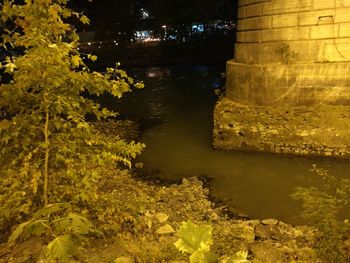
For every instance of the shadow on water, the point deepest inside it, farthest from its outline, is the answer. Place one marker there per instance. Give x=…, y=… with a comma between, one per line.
x=176, y=110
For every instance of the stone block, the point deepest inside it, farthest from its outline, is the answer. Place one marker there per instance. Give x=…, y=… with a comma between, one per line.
x=323, y=4
x=254, y=23
x=285, y=34
x=342, y=15
x=316, y=17
x=253, y=36
x=324, y=31
x=250, y=2
x=334, y=50
x=306, y=51
x=288, y=20
x=241, y=12
x=253, y=10
x=283, y=7
x=240, y=37
x=344, y=30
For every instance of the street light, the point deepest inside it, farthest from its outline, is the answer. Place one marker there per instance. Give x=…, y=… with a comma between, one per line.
x=165, y=32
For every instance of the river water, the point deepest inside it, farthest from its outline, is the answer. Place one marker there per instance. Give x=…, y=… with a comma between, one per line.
x=176, y=110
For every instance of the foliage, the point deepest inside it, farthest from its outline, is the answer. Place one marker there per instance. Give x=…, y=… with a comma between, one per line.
x=49, y=151
x=197, y=239
x=320, y=209
x=59, y=224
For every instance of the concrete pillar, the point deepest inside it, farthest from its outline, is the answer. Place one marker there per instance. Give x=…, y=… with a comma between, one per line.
x=288, y=87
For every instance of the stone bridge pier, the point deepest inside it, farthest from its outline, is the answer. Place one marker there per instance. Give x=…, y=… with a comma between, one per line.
x=288, y=87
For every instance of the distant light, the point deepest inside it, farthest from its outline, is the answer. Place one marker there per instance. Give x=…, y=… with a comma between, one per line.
x=163, y=26
x=116, y=44
x=144, y=14
x=89, y=43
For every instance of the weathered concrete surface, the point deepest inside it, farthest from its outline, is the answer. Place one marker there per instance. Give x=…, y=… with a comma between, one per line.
x=292, y=84
x=322, y=130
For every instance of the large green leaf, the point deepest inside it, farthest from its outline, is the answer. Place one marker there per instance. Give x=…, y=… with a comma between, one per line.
x=193, y=237
x=30, y=228
x=203, y=256
x=62, y=249
x=73, y=223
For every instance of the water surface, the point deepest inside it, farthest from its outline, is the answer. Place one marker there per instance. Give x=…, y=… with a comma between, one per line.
x=176, y=107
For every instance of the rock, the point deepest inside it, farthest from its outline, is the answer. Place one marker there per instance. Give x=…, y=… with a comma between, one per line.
x=214, y=216
x=243, y=216
x=306, y=255
x=261, y=232
x=270, y=222
x=253, y=223
x=166, y=229
x=162, y=217
x=124, y=260
x=275, y=233
x=248, y=233
x=346, y=244
x=266, y=252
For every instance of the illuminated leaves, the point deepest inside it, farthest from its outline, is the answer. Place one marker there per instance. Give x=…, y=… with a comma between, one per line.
x=193, y=237
x=61, y=248
x=92, y=57
x=84, y=19
x=49, y=78
x=196, y=240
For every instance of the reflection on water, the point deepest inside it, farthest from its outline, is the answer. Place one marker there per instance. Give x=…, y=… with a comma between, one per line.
x=177, y=107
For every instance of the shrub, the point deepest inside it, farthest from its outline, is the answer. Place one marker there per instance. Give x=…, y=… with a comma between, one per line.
x=320, y=208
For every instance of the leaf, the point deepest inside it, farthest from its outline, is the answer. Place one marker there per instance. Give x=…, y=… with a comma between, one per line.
x=50, y=209
x=84, y=19
x=193, y=237
x=10, y=67
x=18, y=231
x=76, y=60
x=73, y=223
x=61, y=248
x=203, y=256
x=239, y=257
x=37, y=228
x=92, y=57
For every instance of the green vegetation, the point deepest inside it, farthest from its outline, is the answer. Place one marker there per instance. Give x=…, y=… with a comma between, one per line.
x=61, y=188
x=197, y=239
x=50, y=155
x=321, y=209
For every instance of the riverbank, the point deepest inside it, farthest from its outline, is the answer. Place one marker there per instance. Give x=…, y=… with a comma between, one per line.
x=143, y=223
x=140, y=216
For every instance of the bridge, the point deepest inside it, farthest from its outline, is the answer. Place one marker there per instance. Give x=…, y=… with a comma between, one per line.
x=288, y=86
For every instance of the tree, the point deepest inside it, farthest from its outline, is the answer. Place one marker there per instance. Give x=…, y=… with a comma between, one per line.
x=49, y=152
